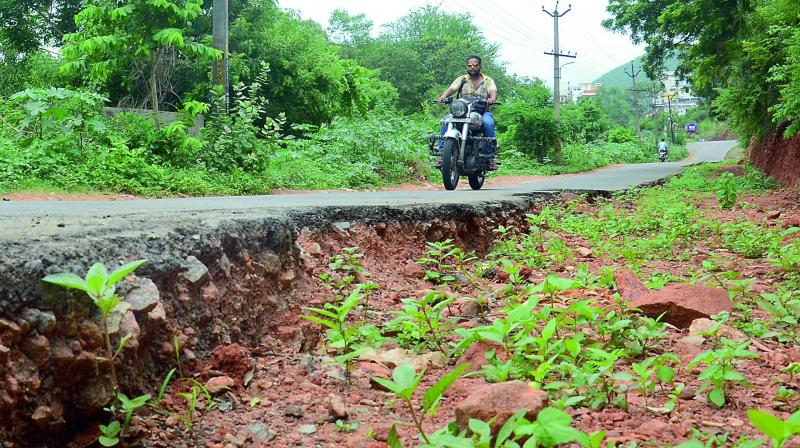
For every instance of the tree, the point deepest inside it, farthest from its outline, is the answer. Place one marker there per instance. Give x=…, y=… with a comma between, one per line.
x=141, y=38
x=704, y=34
x=308, y=80
x=617, y=104
x=28, y=25
x=422, y=52
x=348, y=30
x=528, y=118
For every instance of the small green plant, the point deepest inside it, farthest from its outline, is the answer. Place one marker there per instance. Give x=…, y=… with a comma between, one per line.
x=720, y=369
x=554, y=284
x=783, y=397
x=404, y=383
x=196, y=392
x=346, y=266
x=420, y=322
x=643, y=378
x=792, y=369
x=779, y=431
x=445, y=260
x=726, y=191
x=343, y=426
x=783, y=305
x=341, y=335
x=100, y=286
x=658, y=280
x=553, y=427
x=109, y=434
x=128, y=407
x=176, y=345
x=348, y=261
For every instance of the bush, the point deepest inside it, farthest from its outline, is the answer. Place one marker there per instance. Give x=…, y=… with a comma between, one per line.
x=356, y=153
x=621, y=135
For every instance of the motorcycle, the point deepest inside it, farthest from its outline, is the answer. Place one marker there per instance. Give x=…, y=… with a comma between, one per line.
x=463, y=143
x=663, y=154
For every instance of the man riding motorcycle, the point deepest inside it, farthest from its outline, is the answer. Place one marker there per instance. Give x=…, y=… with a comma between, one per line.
x=475, y=85
x=663, y=150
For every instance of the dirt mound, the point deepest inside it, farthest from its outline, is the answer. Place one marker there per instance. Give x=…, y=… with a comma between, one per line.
x=777, y=156
x=736, y=170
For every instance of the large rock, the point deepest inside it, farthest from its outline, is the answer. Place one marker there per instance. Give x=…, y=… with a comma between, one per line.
x=500, y=401
x=629, y=286
x=681, y=303
x=475, y=355
x=700, y=327
x=195, y=271
x=145, y=297
x=220, y=384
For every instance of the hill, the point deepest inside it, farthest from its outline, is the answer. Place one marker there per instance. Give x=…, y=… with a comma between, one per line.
x=618, y=78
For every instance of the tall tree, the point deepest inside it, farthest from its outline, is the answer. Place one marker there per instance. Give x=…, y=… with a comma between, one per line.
x=349, y=30
x=704, y=34
x=28, y=25
x=140, y=37
x=425, y=50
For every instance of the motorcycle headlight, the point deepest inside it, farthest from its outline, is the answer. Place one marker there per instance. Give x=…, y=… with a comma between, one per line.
x=458, y=109
x=475, y=120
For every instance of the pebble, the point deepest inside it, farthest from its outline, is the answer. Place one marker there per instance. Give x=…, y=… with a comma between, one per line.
x=234, y=440
x=260, y=432
x=293, y=411
x=307, y=429
x=337, y=408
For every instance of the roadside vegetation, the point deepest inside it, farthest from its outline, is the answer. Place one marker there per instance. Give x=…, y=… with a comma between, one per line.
x=308, y=109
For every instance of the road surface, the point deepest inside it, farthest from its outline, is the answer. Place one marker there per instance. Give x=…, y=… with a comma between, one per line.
x=40, y=219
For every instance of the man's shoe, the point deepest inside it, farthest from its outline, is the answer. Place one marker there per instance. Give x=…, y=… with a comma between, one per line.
x=438, y=163
x=492, y=165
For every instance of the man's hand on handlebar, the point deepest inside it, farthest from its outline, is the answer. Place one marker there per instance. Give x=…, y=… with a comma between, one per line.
x=491, y=101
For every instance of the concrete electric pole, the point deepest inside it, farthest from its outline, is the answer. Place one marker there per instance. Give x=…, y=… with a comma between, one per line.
x=220, y=42
x=557, y=77
x=633, y=74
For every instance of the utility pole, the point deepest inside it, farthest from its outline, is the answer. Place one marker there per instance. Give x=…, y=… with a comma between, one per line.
x=560, y=71
x=633, y=74
x=220, y=42
x=671, y=123
x=557, y=77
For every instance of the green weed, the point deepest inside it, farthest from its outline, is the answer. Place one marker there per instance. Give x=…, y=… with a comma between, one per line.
x=720, y=370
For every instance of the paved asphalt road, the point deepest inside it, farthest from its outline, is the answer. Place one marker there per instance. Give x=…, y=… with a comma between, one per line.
x=39, y=219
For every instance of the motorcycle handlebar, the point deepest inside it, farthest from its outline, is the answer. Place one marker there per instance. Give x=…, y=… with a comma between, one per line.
x=450, y=100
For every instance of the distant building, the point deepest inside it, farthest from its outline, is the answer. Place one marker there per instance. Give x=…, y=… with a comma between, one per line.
x=583, y=89
x=676, y=95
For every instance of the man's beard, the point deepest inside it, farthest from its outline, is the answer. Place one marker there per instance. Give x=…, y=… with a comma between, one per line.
x=473, y=72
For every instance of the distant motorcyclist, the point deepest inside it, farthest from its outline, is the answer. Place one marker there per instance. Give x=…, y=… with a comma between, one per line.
x=476, y=85
x=663, y=150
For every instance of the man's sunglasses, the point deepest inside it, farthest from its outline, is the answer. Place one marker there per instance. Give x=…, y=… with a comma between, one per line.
x=473, y=65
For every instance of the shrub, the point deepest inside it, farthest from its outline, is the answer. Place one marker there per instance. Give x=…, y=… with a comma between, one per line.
x=621, y=135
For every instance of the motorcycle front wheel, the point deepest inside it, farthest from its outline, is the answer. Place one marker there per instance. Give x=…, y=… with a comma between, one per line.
x=476, y=181
x=450, y=164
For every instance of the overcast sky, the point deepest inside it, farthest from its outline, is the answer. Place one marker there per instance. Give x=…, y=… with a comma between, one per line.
x=521, y=28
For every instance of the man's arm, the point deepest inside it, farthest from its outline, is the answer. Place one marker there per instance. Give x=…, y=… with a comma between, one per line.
x=492, y=96
x=449, y=91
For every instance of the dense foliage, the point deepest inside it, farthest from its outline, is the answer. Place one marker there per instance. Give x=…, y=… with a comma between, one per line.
x=307, y=108
x=743, y=54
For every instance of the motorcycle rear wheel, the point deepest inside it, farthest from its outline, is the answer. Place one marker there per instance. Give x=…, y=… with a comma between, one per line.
x=476, y=181
x=450, y=173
